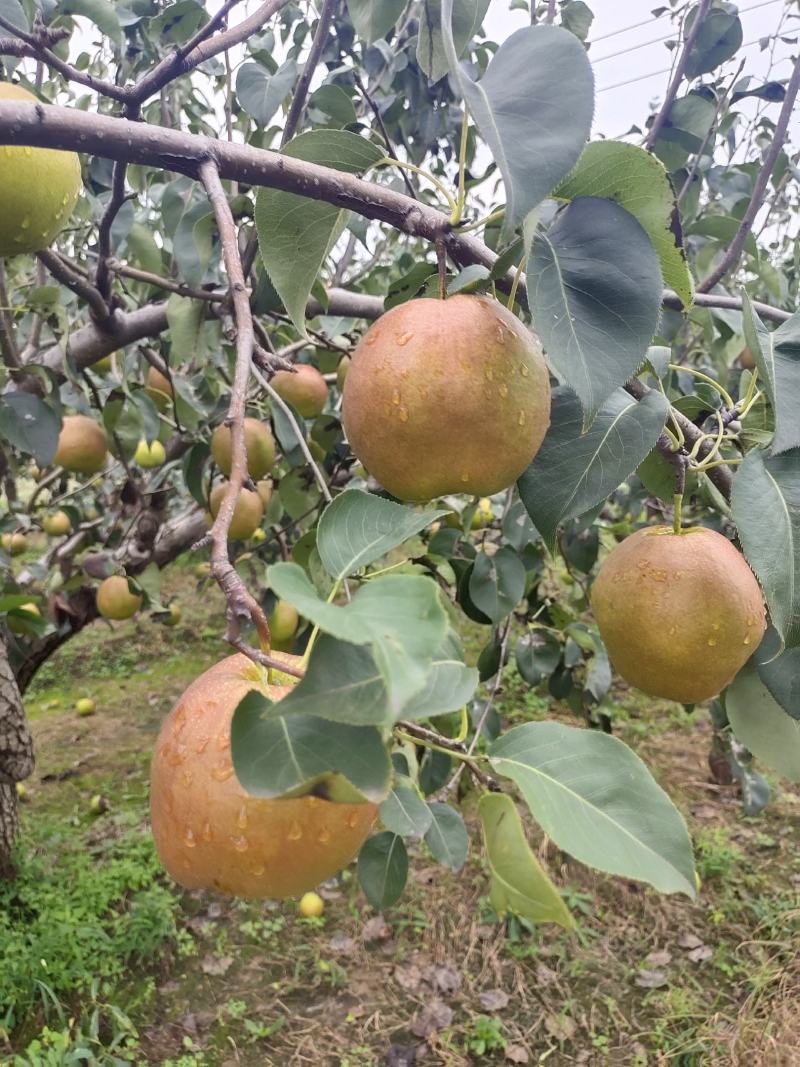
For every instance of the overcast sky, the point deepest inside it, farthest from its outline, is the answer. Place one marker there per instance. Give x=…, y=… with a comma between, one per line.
x=636, y=34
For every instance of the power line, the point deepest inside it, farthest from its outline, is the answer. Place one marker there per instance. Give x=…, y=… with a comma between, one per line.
x=666, y=70
x=668, y=36
x=633, y=26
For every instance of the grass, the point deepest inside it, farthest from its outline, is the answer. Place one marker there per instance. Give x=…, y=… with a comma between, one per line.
x=136, y=971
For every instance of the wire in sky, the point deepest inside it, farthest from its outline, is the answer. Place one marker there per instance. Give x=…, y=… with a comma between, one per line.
x=666, y=37
x=666, y=70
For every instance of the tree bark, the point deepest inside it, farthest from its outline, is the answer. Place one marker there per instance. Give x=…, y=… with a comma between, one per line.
x=16, y=759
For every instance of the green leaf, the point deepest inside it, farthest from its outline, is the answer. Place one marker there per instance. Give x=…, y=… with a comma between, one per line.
x=594, y=285
x=761, y=724
x=100, y=12
x=295, y=233
x=447, y=836
x=261, y=93
x=719, y=39
x=574, y=471
x=333, y=101
x=519, y=882
x=577, y=17
x=358, y=528
x=143, y=250
x=777, y=356
x=275, y=757
x=342, y=683
x=723, y=228
x=497, y=583
x=537, y=655
x=689, y=120
x=780, y=672
x=193, y=242
x=30, y=425
x=185, y=318
x=431, y=50
x=374, y=18
x=637, y=181
x=449, y=684
x=12, y=12
x=382, y=869
x=597, y=800
x=404, y=812
x=535, y=135
x=177, y=23
x=765, y=503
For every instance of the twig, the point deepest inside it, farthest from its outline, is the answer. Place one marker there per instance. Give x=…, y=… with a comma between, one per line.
x=721, y=476
x=79, y=285
x=201, y=48
x=35, y=336
x=315, y=53
x=390, y=150
x=102, y=277
x=240, y=603
x=301, y=441
x=458, y=749
x=117, y=267
x=734, y=250
x=37, y=46
x=700, y=13
x=551, y=11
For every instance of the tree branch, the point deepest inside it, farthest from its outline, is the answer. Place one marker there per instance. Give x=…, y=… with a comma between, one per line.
x=79, y=285
x=672, y=90
x=240, y=603
x=8, y=345
x=734, y=250
x=197, y=51
x=315, y=53
x=102, y=277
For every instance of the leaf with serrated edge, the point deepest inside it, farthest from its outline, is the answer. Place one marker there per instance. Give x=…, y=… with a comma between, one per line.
x=574, y=471
x=382, y=869
x=638, y=181
x=777, y=356
x=447, y=836
x=276, y=757
x=358, y=528
x=760, y=723
x=535, y=135
x=594, y=286
x=519, y=882
x=294, y=232
x=404, y=812
x=598, y=801
x=765, y=503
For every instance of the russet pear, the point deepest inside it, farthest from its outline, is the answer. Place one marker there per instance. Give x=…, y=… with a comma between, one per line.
x=209, y=832
x=447, y=396
x=680, y=614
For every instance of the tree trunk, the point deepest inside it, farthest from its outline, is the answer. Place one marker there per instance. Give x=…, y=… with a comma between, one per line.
x=16, y=759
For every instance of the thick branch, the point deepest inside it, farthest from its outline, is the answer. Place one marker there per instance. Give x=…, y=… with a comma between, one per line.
x=680, y=70
x=722, y=300
x=315, y=53
x=734, y=250
x=117, y=199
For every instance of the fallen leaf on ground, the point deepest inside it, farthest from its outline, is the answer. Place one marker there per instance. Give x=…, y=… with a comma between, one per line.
x=216, y=965
x=493, y=999
x=660, y=958
x=647, y=979
x=435, y=1017
x=702, y=952
x=517, y=1054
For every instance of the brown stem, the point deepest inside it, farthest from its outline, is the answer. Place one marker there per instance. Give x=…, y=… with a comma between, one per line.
x=678, y=74
x=720, y=476
x=171, y=286
x=102, y=278
x=183, y=60
x=424, y=734
x=74, y=281
x=315, y=53
x=390, y=151
x=240, y=603
x=734, y=250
